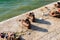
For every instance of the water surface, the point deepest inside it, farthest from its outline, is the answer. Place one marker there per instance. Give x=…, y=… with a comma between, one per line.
x=11, y=8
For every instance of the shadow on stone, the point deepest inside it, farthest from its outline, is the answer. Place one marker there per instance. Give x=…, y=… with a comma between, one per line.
x=20, y=38
x=36, y=28
x=42, y=21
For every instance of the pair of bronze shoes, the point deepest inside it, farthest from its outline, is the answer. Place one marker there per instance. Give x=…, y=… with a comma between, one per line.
x=55, y=14
x=29, y=18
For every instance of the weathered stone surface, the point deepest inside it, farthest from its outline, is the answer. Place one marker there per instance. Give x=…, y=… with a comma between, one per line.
x=45, y=28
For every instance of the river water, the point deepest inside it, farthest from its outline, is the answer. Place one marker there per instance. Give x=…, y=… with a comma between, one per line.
x=11, y=8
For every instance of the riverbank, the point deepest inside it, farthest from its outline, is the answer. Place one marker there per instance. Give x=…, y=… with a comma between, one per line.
x=12, y=8
x=45, y=27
